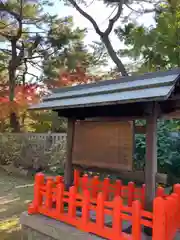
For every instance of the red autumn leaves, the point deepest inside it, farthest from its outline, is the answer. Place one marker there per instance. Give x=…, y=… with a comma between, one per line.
x=25, y=95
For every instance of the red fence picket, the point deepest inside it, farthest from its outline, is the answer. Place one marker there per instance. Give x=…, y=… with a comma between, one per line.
x=177, y=191
x=159, y=223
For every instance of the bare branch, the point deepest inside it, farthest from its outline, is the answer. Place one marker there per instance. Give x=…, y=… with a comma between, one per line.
x=5, y=51
x=6, y=25
x=7, y=36
x=30, y=58
x=150, y=1
x=35, y=65
x=115, y=18
x=144, y=10
x=90, y=3
x=132, y=9
x=141, y=11
x=33, y=75
x=24, y=72
x=30, y=32
x=109, y=16
x=19, y=33
x=87, y=16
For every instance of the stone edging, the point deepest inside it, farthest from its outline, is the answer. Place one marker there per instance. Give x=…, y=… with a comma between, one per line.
x=54, y=229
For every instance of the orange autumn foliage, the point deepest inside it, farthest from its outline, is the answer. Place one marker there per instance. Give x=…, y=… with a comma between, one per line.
x=28, y=94
x=69, y=78
x=24, y=96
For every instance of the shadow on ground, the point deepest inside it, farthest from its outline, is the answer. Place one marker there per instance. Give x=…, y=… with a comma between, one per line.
x=15, y=194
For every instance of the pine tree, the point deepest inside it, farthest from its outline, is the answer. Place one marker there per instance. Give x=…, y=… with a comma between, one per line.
x=155, y=47
x=21, y=32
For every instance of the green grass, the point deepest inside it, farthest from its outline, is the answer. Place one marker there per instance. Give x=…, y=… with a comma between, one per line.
x=15, y=195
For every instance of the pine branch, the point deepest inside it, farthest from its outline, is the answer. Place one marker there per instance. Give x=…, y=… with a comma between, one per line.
x=4, y=8
x=5, y=51
x=115, y=18
x=7, y=36
x=35, y=65
x=141, y=11
x=19, y=33
x=18, y=17
x=33, y=75
x=24, y=72
x=87, y=16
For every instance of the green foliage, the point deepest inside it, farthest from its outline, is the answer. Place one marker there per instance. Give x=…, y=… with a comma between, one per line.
x=156, y=47
x=31, y=155
x=57, y=156
x=67, y=50
x=44, y=121
x=172, y=164
x=9, y=150
x=168, y=149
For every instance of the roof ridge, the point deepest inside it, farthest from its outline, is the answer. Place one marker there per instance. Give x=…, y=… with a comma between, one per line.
x=155, y=87
x=111, y=89
x=121, y=80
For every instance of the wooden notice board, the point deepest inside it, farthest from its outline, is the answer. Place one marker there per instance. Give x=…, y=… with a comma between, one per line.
x=103, y=144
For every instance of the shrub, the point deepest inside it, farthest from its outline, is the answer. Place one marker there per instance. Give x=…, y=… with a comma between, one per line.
x=30, y=154
x=9, y=149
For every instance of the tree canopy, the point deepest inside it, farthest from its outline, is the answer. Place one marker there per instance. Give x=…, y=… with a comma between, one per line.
x=31, y=38
x=156, y=47
x=118, y=14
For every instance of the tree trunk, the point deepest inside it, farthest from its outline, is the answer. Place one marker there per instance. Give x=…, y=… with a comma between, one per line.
x=105, y=39
x=14, y=122
x=23, y=118
x=105, y=35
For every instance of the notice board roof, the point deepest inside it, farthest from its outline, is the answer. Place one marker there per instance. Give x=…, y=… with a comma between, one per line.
x=156, y=86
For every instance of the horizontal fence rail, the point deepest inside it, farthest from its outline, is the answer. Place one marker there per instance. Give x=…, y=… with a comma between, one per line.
x=56, y=137
x=128, y=193
x=43, y=141
x=94, y=185
x=77, y=208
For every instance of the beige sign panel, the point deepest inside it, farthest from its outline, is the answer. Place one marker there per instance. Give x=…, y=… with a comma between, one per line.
x=103, y=144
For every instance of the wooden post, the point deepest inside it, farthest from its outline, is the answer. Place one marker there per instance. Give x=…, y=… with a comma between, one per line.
x=151, y=160
x=68, y=175
x=151, y=157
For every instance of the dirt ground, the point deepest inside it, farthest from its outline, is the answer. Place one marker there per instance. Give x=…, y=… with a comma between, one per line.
x=15, y=194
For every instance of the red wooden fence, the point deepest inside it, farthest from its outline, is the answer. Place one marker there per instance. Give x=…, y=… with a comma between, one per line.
x=129, y=192
x=52, y=200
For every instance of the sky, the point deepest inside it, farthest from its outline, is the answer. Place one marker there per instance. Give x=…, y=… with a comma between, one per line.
x=101, y=14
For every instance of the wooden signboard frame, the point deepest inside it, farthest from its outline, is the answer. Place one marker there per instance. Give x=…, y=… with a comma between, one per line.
x=108, y=145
